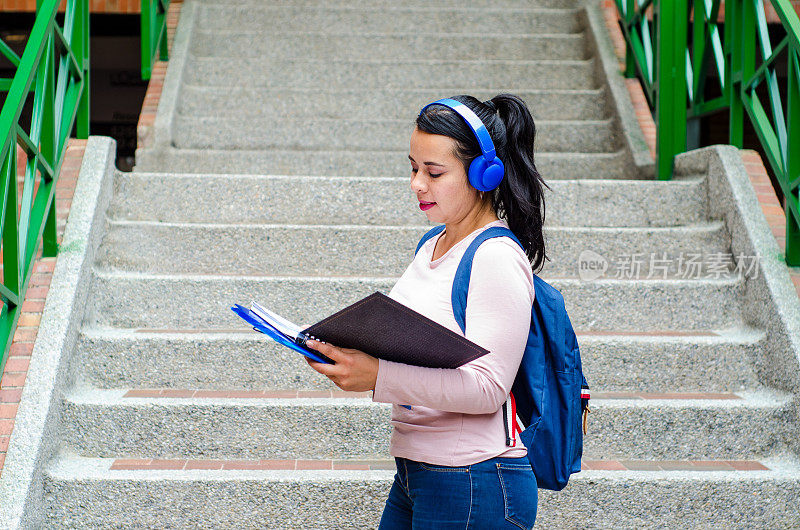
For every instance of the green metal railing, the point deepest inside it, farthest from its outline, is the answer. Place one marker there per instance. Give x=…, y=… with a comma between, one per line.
x=54, y=72
x=154, y=34
x=743, y=61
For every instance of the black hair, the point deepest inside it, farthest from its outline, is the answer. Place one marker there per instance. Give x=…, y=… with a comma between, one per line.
x=519, y=198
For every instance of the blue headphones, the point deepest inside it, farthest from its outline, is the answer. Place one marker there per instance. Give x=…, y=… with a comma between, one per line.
x=486, y=171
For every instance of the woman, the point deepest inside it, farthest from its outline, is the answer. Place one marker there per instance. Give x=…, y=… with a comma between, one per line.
x=455, y=466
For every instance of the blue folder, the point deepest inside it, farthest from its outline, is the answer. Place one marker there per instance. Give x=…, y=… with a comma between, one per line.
x=267, y=329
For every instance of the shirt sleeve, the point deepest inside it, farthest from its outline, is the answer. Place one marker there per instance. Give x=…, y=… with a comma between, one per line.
x=498, y=318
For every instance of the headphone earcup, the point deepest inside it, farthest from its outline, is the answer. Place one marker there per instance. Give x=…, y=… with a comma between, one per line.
x=484, y=175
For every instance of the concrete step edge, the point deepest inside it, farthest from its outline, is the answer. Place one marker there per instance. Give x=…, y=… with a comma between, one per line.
x=725, y=280
x=681, y=230
x=223, y=32
x=411, y=9
x=226, y=152
x=687, y=181
x=743, y=335
x=544, y=91
x=396, y=62
x=110, y=398
x=253, y=122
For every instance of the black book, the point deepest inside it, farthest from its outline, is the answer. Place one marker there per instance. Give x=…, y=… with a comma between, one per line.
x=377, y=325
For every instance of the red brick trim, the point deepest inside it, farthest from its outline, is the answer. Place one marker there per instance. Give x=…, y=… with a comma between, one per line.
x=665, y=395
x=770, y=206
x=638, y=99
x=599, y=332
x=290, y=465
x=178, y=393
x=95, y=6
x=146, y=464
x=239, y=394
x=147, y=116
x=648, y=333
x=16, y=369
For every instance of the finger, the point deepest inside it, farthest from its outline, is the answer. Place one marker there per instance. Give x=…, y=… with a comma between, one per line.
x=318, y=366
x=331, y=352
x=329, y=370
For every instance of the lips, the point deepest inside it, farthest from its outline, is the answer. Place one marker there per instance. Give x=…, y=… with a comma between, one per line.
x=426, y=205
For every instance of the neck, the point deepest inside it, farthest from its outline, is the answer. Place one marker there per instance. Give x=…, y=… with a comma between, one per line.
x=455, y=232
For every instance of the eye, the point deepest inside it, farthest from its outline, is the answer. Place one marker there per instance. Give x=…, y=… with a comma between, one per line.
x=413, y=170
x=434, y=175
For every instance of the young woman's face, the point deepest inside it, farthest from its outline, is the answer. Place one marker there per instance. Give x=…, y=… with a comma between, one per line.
x=438, y=179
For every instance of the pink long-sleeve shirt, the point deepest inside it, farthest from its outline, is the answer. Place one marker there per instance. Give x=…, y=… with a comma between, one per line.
x=456, y=415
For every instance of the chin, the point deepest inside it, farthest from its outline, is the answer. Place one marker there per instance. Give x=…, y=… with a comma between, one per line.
x=433, y=218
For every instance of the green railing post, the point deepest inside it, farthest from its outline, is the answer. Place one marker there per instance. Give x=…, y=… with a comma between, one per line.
x=153, y=34
x=49, y=143
x=630, y=58
x=163, y=42
x=82, y=35
x=792, y=188
x=671, y=31
x=734, y=54
x=147, y=28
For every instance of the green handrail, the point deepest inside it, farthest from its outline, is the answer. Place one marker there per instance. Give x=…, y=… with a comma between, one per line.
x=54, y=69
x=154, y=34
x=743, y=60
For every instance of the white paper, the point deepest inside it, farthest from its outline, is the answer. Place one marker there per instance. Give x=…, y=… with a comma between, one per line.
x=286, y=327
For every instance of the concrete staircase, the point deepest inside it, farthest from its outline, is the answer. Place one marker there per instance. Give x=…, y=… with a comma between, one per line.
x=283, y=179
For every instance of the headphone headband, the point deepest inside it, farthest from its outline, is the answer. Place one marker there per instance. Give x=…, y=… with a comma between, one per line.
x=474, y=122
x=485, y=172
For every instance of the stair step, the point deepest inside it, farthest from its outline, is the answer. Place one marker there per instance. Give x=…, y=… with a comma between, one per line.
x=190, y=132
x=336, y=250
x=109, y=358
x=337, y=200
x=356, y=104
x=85, y=491
x=669, y=426
x=139, y=300
x=388, y=18
x=367, y=163
x=482, y=4
x=342, y=73
x=369, y=45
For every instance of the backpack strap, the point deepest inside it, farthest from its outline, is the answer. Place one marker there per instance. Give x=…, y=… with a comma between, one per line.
x=458, y=296
x=435, y=231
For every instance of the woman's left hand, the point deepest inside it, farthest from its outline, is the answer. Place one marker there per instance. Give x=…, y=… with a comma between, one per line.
x=354, y=371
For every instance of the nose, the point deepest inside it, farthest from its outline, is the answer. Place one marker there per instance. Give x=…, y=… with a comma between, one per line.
x=418, y=184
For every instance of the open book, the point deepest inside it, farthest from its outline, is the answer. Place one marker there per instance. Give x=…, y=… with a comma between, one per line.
x=377, y=325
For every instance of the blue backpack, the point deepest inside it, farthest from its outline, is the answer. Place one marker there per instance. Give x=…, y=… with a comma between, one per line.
x=550, y=391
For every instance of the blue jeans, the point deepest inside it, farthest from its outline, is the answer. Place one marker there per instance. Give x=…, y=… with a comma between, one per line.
x=496, y=493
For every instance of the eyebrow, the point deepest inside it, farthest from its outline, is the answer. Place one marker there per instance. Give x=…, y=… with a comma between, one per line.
x=428, y=163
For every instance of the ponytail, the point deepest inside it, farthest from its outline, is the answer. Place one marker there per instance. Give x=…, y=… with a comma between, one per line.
x=520, y=198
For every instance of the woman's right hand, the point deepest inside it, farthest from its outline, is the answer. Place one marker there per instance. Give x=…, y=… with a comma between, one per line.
x=353, y=371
